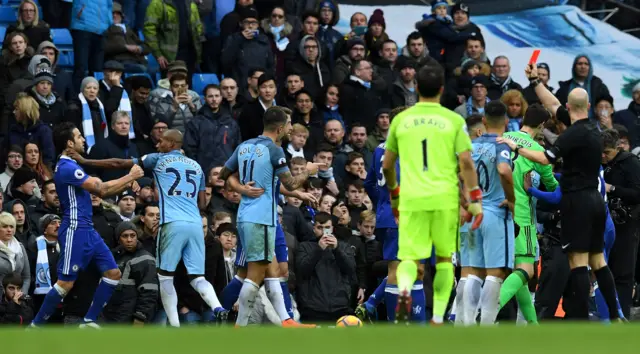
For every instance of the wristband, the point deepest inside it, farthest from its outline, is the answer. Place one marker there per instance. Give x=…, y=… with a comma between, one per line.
x=517, y=150
x=475, y=194
x=535, y=82
x=395, y=191
x=135, y=160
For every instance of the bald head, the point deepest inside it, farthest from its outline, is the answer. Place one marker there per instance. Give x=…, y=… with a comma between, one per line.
x=578, y=100
x=174, y=136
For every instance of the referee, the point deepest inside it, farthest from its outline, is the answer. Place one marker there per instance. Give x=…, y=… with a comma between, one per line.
x=582, y=206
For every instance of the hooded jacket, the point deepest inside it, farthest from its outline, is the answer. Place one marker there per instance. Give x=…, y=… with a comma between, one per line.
x=592, y=84
x=62, y=83
x=629, y=118
x=315, y=76
x=327, y=33
x=26, y=235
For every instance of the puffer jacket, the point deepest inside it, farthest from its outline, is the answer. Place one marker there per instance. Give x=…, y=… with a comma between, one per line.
x=210, y=138
x=161, y=31
x=161, y=107
x=91, y=15
x=136, y=295
x=240, y=55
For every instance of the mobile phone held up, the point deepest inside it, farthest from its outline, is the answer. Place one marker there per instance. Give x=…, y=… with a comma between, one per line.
x=360, y=30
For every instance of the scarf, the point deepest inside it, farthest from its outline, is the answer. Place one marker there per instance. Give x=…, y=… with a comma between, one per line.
x=49, y=100
x=276, y=31
x=11, y=250
x=293, y=152
x=87, y=121
x=125, y=106
x=504, y=85
x=366, y=84
x=470, y=106
x=43, y=276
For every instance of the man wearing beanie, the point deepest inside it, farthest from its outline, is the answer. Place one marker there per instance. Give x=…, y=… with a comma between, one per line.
x=329, y=16
x=134, y=300
x=628, y=117
x=126, y=202
x=22, y=186
x=404, y=91
x=461, y=23
x=44, y=252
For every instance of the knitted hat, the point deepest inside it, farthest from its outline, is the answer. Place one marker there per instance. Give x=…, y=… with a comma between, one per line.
x=460, y=7
x=177, y=66
x=480, y=80
x=126, y=193
x=36, y=62
x=45, y=220
x=467, y=63
x=247, y=12
x=328, y=4
x=88, y=80
x=43, y=73
x=544, y=66
x=125, y=226
x=405, y=62
x=377, y=17
x=226, y=227
x=23, y=175
x=437, y=3
x=355, y=41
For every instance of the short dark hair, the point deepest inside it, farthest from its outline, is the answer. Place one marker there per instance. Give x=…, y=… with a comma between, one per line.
x=15, y=148
x=209, y=87
x=138, y=81
x=473, y=120
x=610, y=138
x=322, y=217
x=357, y=125
x=179, y=76
x=623, y=132
x=354, y=155
x=357, y=183
x=356, y=65
x=324, y=147
x=13, y=278
x=413, y=36
x=430, y=80
x=495, y=112
x=309, y=13
x=535, y=115
x=478, y=38
x=273, y=118
x=47, y=183
x=253, y=71
x=62, y=133
x=149, y=205
x=387, y=42
x=266, y=77
x=294, y=74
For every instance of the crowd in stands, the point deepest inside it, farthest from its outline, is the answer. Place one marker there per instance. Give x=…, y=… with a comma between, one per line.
x=136, y=65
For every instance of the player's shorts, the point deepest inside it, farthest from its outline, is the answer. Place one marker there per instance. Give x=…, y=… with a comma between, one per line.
x=421, y=230
x=181, y=240
x=282, y=252
x=78, y=248
x=491, y=246
x=258, y=242
x=583, y=221
x=527, y=244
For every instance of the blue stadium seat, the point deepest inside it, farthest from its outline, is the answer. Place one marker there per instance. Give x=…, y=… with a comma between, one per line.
x=99, y=75
x=152, y=64
x=200, y=81
x=65, y=60
x=62, y=39
x=3, y=32
x=8, y=15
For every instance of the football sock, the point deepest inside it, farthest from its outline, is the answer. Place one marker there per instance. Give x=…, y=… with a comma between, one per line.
x=512, y=284
x=442, y=286
x=608, y=289
x=169, y=299
x=247, y=299
x=577, y=306
x=206, y=291
x=406, y=274
x=50, y=303
x=284, y=285
x=100, y=298
x=231, y=292
x=601, y=305
x=525, y=304
x=274, y=293
x=472, y=290
x=459, y=301
x=418, y=303
x=489, y=300
x=391, y=300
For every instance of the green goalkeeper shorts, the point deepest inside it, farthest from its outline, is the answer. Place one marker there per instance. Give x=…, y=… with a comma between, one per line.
x=526, y=244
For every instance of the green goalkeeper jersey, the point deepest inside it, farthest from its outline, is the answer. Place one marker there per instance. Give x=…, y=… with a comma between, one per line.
x=525, y=212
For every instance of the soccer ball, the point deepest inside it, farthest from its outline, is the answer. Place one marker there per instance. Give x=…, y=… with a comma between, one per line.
x=348, y=321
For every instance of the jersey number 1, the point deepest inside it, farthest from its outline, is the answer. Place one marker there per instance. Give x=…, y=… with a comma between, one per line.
x=189, y=175
x=425, y=159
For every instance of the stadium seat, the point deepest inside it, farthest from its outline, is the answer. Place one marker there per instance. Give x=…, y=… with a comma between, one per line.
x=99, y=75
x=3, y=32
x=8, y=15
x=200, y=81
x=62, y=39
x=65, y=60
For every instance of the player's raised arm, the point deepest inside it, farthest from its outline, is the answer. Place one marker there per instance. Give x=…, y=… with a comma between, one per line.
x=548, y=99
x=104, y=189
x=109, y=164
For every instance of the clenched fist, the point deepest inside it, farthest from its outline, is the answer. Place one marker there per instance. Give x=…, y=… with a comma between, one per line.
x=136, y=172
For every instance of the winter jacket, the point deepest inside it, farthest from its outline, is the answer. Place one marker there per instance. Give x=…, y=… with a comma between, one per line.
x=315, y=76
x=91, y=15
x=35, y=34
x=116, y=40
x=280, y=56
x=454, y=53
x=623, y=172
x=630, y=119
x=162, y=33
x=386, y=71
x=22, y=268
x=496, y=88
x=421, y=61
x=341, y=155
x=27, y=234
x=315, y=127
x=211, y=138
x=374, y=139
x=360, y=104
x=294, y=222
x=62, y=83
x=105, y=220
x=342, y=72
x=236, y=110
x=592, y=84
x=241, y=55
x=74, y=115
x=324, y=277
x=162, y=109
x=39, y=210
x=14, y=314
x=12, y=68
x=440, y=36
x=327, y=34
x=38, y=133
x=50, y=114
x=250, y=120
x=115, y=146
x=402, y=96
x=137, y=292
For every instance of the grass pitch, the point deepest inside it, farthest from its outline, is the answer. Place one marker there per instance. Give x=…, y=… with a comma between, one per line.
x=544, y=339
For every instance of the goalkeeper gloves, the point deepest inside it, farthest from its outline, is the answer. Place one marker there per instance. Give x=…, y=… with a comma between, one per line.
x=475, y=207
x=395, y=201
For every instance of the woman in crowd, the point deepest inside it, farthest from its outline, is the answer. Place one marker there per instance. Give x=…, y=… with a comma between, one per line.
x=29, y=23
x=52, y=106
x=33, y=160
x=29, y=128
x=516, y=108
x=328, y=103
x=280, y=33
x=14, y=62
x=326, y=202
x=87, y=113
x=13, y=255
x=375, y=35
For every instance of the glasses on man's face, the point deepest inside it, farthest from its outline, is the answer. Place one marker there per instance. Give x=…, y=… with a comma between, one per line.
x=277, y=16
x=249, y=22
x=14, y=157
x=310, y=47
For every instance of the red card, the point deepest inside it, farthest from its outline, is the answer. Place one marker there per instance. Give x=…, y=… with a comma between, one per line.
x=534, y=57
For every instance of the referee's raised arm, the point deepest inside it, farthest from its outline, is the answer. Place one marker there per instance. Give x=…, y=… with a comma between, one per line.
x=546, y=97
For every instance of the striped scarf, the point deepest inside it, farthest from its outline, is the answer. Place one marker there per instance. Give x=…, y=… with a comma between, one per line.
x=470, y=107
x=125, y=106
x=87, y=121
x=43, y=276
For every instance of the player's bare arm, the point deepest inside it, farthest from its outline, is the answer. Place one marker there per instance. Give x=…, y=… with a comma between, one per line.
x=202, y=200
x=535, y=156
x=506, y=180
x=292, y=183
x=468, y=170
x=105, y=189
x=109, y=164
x=247, y=189
x=305, y=197
x=548, y=99
x=389, y=169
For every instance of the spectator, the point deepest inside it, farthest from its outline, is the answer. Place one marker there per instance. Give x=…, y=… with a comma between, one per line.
x=123, y=45
x=87, y=113
x=314, y=73
x=251, y=91
x=375, y=267
x=232, y=102
x=135, y=298
x=356, y=52
x=299, y=138
x=33, y=160
x=173, y=31
x=212, y=136
x=22, y=84
x=250, y=120
x=582, y=76
x=147, y=145
x=355, y=194
x=544, y=74
x=475, y=49
x=105, y=219
x=326, y=202
x=305, y=115
x=89, y=21
x=232, y=22
x=310, y=27
x=325, y=271
x=227, y=234
x=328, y=103
x=416, y=49
x=329, y=12
x=147, y=222
x=353, y=169
x=62, y=82
x=13, y=255
x=403, y=92
x=604, y=111
x=218, y=219
x=140, y=109
x=126, y=203
x=29, y=128
x=358, y=25
x=379, y=133
x=458, y=88
x=462, y=24
x=361, y=97
x=24, y=232
x=44, y=252
x=439, y=32
x=164, y=85
x=29, y=23
x=628, y=117
x=217, y=185
x=516, y=108
x=357, y=143
x=15, y=307
x=116, y=145
x=333, y=135
x=178, y=106
x=478, y=99
x=51, y=106
x=280, y=34
x=15, y=159
x=15, y=62
x=113, y=95
x=287, y=98
x=385, y=62
x=501, y=80
x=144, y=195
x=230, y=203
x=247, y=49
x=50, y=204
x=376, y=35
